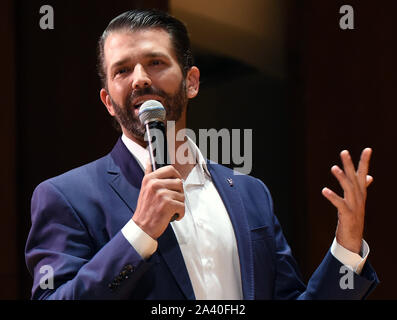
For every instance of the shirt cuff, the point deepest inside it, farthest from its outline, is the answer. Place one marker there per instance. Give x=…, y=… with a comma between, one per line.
x=144, y=244
x=350, y=259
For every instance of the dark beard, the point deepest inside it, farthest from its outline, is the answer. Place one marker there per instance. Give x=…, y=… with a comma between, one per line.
x=173, y=104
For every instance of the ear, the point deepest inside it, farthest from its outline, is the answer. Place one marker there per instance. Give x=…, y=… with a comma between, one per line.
x=192, y=82
x=105, y=98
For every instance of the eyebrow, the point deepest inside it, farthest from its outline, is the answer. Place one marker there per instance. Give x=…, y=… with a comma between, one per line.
x=146, y=55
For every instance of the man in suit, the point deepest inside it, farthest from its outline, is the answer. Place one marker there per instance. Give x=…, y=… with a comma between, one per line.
x=104, y=229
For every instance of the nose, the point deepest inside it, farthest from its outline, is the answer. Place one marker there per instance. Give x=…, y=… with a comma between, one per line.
x=140, y=78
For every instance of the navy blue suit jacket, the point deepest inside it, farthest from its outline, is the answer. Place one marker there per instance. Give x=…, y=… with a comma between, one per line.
x=76, y=223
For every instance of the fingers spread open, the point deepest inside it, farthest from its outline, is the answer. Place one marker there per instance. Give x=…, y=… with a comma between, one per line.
x=363, y=166
x=337, y=201
x=348, y=165
x=342, y=178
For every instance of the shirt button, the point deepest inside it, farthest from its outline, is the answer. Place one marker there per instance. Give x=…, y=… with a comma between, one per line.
x=209, y=264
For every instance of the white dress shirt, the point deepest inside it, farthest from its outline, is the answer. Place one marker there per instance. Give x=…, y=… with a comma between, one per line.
x=206, y=236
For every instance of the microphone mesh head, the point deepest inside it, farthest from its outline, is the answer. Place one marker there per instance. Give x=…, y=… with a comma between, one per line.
x=151, y=110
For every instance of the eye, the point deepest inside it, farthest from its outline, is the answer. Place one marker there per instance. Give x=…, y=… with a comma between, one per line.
x=121, y=71
x=155, y=62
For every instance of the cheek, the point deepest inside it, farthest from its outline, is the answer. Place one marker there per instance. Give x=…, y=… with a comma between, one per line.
x=169, y=81
x=120, y=87
x=119, y=91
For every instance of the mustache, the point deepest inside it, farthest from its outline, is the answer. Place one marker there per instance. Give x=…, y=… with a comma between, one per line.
x=146, y=91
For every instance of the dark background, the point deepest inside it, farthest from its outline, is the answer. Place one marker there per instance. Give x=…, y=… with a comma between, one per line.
x=337, y=93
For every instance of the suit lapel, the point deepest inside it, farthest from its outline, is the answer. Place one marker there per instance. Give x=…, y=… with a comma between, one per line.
x=126, y=178
x=125, y=175
x=228, y=190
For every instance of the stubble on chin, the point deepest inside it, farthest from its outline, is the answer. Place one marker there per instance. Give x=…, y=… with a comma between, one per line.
x=129, y=121
x=126, y=118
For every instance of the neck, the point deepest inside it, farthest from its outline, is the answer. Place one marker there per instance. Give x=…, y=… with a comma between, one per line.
x=176, y=137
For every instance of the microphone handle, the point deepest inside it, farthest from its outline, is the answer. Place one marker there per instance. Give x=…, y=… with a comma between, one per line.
x=160, y=159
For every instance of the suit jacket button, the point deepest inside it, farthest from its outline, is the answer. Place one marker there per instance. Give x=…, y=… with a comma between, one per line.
x=129, y=268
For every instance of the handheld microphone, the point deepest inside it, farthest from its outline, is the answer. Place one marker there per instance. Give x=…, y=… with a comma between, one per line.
x=152, y=116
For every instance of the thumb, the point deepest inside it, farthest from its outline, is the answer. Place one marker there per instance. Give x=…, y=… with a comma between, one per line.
x=148, y=168
x=369, y=180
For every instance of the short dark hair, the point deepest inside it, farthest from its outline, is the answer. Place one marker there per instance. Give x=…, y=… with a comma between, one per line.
x=145, y=19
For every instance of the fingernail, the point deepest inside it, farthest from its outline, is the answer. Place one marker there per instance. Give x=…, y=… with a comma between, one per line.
x=336, y=169
x=326, y=190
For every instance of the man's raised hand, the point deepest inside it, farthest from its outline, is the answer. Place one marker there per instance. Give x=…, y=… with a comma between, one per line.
x=351, y=208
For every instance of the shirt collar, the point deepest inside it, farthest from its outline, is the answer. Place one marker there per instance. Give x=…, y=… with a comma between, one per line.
x=202, y=163
x=141, y=154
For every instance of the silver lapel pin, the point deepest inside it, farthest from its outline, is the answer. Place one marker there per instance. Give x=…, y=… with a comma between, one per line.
x=230, y=181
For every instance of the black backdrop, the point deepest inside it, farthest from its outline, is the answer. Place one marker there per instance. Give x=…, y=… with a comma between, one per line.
x=338, y=94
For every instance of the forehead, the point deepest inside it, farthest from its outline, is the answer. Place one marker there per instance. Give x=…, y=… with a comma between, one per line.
x=123, y=43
